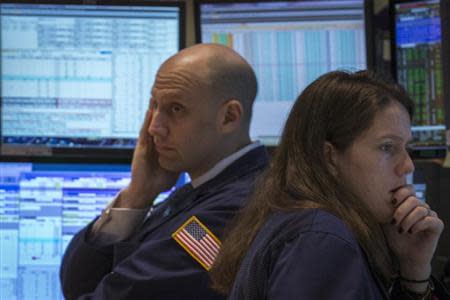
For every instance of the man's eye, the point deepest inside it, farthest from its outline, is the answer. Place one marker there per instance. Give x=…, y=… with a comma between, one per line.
x=177, y=109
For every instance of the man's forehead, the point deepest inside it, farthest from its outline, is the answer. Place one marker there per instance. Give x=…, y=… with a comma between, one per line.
x=181, y=83
x=179, y=93
x=168, y=92
x=180, y=77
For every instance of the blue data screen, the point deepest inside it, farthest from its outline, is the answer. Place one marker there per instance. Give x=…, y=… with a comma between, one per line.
x=42, y=206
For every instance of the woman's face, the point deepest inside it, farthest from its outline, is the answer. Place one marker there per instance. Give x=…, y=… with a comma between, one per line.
x=375, y=165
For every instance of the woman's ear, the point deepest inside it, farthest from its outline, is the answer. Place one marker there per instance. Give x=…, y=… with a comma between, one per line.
x=330, y=155
x=231, y=116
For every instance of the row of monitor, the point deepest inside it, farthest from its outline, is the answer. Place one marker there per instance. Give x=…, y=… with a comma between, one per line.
x=76, y=76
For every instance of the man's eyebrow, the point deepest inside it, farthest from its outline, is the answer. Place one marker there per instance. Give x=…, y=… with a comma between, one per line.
x=167, y=93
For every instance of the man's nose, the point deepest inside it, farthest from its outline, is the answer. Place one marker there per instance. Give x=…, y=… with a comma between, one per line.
x=158, y=125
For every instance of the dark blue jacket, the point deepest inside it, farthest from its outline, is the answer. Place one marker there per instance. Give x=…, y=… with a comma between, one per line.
x=308, y=254
x=151, y=264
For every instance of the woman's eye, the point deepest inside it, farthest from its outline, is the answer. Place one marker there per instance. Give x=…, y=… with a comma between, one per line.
x=387, y=148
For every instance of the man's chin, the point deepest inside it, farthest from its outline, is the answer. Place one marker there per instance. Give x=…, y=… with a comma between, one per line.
x=170, y=165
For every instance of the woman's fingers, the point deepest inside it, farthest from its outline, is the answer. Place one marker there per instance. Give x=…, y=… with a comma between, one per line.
x=430, y=223
x=415, y=215
x=403, y=209
x=403, y=193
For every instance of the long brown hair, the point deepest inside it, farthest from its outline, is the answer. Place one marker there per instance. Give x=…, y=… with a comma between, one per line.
x=335, y=108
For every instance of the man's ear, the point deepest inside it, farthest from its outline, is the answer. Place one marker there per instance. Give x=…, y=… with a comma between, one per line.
x=230, y=116
x=330, y=156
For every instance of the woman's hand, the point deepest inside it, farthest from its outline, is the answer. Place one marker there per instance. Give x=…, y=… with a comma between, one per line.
x=413, y=234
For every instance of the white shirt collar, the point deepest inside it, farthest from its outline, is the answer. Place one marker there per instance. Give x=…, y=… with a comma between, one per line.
x=222, y=164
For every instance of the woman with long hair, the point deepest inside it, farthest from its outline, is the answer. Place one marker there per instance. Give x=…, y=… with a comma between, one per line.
x=333, y=216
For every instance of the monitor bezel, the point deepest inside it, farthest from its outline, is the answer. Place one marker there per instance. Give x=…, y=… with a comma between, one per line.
x=92, y=154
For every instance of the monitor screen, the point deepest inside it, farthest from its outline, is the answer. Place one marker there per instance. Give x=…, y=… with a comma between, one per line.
x=42, y=206
x=76, y=78
x=419, y=68
x=289, y=44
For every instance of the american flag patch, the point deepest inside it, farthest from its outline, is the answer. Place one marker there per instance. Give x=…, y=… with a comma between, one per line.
x=198, y=241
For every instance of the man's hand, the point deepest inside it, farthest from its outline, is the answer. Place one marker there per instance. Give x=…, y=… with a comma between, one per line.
x=148, y=179
x=413, y=234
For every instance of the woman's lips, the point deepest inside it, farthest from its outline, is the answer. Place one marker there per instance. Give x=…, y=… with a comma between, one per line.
x=397, y=188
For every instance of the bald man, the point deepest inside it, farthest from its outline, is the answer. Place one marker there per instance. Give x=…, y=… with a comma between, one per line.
x=197, y=122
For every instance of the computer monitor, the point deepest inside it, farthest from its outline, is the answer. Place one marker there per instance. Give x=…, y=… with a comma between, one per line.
x=42, y=206
x=418, y=60
x=289, y=44
x=76, y=75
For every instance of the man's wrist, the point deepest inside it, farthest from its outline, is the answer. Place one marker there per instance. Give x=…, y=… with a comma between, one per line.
x=133, y=200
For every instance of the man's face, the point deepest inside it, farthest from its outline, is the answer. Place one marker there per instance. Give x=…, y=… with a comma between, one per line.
x=184, y=124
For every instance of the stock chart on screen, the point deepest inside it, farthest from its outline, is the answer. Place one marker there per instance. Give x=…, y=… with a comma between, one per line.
x=79, y=76
x=419, y=68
